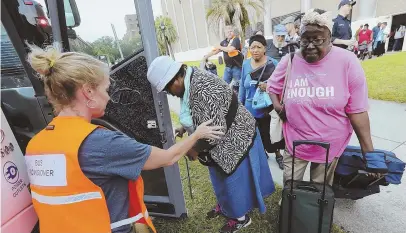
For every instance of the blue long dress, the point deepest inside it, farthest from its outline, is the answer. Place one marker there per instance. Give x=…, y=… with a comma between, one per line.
x=247, y=187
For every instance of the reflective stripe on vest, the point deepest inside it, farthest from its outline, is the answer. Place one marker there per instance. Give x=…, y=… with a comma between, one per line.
x=63, y=200
x=129, y=220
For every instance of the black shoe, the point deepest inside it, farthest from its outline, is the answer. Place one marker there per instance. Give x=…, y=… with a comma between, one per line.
x=214, y=213
x=279, y=160
x=233, y=225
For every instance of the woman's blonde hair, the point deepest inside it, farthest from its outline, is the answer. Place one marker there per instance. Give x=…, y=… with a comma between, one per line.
x=64, y=73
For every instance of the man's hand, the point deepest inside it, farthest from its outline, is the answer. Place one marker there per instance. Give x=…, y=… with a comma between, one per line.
x=219, y=47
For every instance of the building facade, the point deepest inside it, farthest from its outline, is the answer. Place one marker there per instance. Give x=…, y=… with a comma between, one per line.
x=131, y=23
x=196, y=39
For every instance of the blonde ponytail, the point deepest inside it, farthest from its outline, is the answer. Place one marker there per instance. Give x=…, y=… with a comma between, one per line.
x=64, y=73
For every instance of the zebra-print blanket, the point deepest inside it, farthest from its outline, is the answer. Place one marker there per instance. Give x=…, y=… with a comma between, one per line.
x=210, y=98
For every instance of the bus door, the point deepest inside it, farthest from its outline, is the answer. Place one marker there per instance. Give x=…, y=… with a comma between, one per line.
x=123, y=33
x=24, y=109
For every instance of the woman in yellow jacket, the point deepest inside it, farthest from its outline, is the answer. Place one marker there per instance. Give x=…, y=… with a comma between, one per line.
x=85, y=178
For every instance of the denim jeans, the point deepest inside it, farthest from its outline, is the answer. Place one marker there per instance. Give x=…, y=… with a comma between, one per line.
x=233, y=73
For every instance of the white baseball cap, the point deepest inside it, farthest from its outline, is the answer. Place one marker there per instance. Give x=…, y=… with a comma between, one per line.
x=161, y=71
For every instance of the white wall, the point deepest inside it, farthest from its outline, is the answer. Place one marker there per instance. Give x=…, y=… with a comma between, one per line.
x=194, y=55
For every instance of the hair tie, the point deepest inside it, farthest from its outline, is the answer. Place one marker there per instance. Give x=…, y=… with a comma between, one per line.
x=51, y=63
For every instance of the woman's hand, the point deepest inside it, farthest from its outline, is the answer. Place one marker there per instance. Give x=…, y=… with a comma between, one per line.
x=180, y=131
x=192, y=154
x=280, y=109
x=262, y=87
x=208, y=132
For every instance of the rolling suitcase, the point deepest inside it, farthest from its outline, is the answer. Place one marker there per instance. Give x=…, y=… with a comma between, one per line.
x=307, y=207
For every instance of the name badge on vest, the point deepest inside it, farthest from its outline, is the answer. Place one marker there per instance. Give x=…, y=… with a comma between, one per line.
x=47, y=170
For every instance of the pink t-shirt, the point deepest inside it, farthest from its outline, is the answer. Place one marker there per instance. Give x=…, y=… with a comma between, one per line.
x=317, y=100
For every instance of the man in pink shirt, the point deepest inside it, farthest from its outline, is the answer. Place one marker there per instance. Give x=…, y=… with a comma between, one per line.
x=326, y=98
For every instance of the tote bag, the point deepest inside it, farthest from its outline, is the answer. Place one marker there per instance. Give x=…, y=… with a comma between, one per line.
x=261, y=98
x=275, y=129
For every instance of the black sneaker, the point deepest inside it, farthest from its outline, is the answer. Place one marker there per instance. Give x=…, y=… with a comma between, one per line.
x=279, y=160
x=214, y=213
x=233, y=225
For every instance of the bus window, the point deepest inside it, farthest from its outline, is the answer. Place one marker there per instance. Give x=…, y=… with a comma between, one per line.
x=12, y=71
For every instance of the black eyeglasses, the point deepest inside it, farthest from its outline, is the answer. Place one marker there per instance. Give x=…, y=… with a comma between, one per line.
x=315, y=42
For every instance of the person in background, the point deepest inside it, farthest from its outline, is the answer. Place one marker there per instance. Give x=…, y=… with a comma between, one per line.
x=289, y=23
x=342, y=33
x=237, y=162
x=246, y=50
x=233, y=58
x=278, y=47
x=250, y=80
x=99, y=167
x=379, y=42
x=365, y=35
x=399, y=37
x=357, y=32
x=375, y=31
x=326, y=99
x=297, y=21
x=257, y=32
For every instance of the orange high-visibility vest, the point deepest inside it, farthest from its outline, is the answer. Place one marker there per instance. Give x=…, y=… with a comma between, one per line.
x=63, y=197
x=234, y=52
x=248, y=54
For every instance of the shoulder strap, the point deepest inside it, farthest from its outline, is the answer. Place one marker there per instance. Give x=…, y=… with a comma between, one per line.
x=232, y=110
x=287, y=76
x=262, y=72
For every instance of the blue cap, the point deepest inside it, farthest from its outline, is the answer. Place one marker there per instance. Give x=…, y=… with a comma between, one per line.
x=346, y=2
x=161, y=71
x=280, y=30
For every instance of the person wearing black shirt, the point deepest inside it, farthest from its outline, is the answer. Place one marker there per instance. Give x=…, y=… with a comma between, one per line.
x=342, y=33
x=233, y=58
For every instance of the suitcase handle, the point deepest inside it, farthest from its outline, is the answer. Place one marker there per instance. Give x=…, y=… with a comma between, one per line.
x=321, y=201
x=325, y=145
x=316, y=143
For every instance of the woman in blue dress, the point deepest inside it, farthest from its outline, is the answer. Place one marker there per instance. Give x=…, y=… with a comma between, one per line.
x=255, y=73
x=237, y=162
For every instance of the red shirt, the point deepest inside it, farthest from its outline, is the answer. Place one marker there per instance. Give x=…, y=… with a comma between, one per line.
x=364, y=35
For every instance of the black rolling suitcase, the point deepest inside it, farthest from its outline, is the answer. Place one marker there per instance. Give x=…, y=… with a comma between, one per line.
x=307, y=207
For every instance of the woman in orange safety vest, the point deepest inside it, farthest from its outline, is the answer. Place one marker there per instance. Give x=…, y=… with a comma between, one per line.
x=85, y=178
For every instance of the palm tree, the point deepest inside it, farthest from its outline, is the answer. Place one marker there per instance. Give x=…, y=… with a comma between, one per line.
x=166, y=34
x=233, y=12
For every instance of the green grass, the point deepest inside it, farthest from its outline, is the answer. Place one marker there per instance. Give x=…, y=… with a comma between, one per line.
x=386, y=77
x=204, y=199
x=220, y=68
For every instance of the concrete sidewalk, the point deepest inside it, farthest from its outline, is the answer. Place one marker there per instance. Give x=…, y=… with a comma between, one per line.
x=385, y=211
